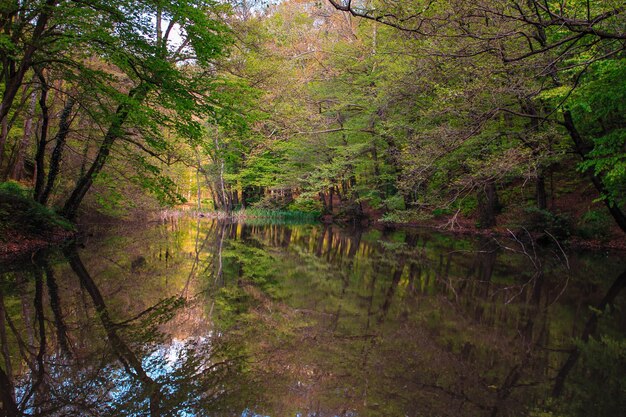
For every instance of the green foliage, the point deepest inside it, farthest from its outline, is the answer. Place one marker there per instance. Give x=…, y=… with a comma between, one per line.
x=19, y=212
x=282, y=216
x=468, y=205
x=541, y=221
x=406, y=216
x=15, y=189
x=394, y=202
x=312, y=106
x=438, y=212
x=594, y=224
x=306, y=205
x=598, y=107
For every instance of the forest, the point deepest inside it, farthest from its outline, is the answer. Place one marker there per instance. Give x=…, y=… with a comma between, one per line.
x=312, y=208
x=474, y=114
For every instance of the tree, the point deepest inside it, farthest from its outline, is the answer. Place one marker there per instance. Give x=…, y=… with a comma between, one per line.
x=544, y=51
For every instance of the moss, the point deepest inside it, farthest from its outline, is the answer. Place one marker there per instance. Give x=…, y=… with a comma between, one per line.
x=19, y=212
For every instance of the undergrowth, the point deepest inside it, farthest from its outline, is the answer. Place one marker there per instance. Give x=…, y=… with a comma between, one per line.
x=18, y=211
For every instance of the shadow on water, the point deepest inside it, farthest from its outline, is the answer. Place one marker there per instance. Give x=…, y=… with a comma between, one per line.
x=196, y=317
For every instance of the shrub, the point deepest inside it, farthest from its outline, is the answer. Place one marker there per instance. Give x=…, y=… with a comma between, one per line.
x=537, y=220
x=468, y=205
x=394, y=202
x=594, y=224
x=12, y=188
x=306, y=205
x=438, y=212
x=19, y=211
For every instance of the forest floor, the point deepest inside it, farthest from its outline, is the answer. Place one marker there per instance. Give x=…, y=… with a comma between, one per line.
x=26, y=226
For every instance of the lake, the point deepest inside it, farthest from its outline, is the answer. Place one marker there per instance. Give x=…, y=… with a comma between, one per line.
x=199, y=317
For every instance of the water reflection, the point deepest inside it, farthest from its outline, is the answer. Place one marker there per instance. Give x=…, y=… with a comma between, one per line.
x=193, y=318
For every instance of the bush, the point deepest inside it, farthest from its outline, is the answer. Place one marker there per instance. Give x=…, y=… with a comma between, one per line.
x=594, y=224
x=12, y=188
x=306, y=205
x=394, y=202
x=541, y=221
x=281, y=216
x=19, y=212
x=405, y=216
x=468, y=205
x=438, y=212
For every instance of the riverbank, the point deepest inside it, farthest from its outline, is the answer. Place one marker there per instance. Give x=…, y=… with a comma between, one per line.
x=612, y=243
x=509, y=226
x=457, y=225
x=16, y=244
x=26, y=226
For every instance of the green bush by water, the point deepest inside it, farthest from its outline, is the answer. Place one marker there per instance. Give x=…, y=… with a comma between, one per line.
x=594, y=224
x=557, y=224
x=19, y=211
x=278, y=215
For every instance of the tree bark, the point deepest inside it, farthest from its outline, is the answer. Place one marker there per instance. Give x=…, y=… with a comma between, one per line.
x=4, y=133
x=583, y=148
x=17, y=170
x=540, y=192
x=114, y=132
x=487, y=205
x=15, y=77
x=40, y=173
x=55, y=158
x=330, y=200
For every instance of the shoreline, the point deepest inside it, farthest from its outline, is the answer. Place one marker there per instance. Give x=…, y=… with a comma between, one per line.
x=618, y=245
x=18, y=244
x=21, y=245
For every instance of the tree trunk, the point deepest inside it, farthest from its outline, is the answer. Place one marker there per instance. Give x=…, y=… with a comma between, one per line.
x=17, y=170
x=83, y=185
x=235, y=198
x=583, y=148
x=55, y=159
x=16, y=76
x=330, y=200
x=487, y=205
x=40, y=174
x=4, y=133
x=323, y=201
x=540, y=192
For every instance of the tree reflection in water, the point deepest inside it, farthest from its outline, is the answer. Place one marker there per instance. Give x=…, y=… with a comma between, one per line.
x=102, y=366
x=193, y=318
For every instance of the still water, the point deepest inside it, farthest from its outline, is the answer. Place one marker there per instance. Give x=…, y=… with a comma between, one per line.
x=187, y=317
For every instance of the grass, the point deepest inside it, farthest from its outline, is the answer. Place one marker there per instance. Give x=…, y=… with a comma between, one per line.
x=282, y=216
